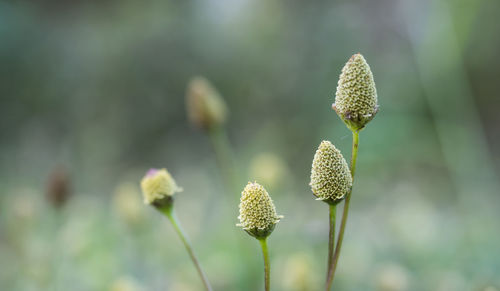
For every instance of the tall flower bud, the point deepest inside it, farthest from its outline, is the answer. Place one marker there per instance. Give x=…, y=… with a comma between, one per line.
x=205, y=107
x=257, y=212
x=356, y=97
x=158, y=188
x=331, y=178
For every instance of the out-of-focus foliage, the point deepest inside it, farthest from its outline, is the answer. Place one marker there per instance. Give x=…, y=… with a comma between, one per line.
x=98, y=87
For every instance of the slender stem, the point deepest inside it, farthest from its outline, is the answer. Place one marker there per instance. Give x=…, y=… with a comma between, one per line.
x=354, y=157
x=331, y=238
x=224, y=156
x=169, y=213
x=267, y=266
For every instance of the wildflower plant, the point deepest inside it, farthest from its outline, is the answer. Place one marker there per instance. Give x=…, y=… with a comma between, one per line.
x=207, y=110
x=331, y=179
x=356, y=104
x=158, y=188
x=258, y=218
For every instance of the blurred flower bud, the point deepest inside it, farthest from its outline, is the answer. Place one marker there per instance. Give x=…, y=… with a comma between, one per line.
x=268, y=168
x=158, y=187
x=257, y=212
x=356, y=97
x=183, y=286
x=125, y=283
x=331, y=178
x=126, y=204
x=58, y=187
x=392, y=277
x=205, y=107
x=299, y=274
x=22, y=210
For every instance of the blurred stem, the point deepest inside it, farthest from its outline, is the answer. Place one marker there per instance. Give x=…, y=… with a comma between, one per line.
x=331, y=238
x=267, y=266
x=224, y=156
x=59, y=251
x=170, y=214
x=354, y=157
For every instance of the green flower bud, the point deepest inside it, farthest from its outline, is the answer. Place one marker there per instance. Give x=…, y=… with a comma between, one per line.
x=331, y=178
x=356, y=97
x=205, y=107
x=158, y=187
x=257, y=212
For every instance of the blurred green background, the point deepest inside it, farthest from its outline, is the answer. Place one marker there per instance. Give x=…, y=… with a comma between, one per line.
x=97, y=88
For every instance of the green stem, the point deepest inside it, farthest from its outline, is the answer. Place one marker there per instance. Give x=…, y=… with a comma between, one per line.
x=267, y=266
x=224, y=156
x=354, y=157
x=169, y=213
x=331, y=238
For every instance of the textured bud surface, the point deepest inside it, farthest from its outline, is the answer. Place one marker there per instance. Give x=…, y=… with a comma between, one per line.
x=205, y=107
x=257, y=212
x=157, y=185
x=356, y=97
x=331, y=178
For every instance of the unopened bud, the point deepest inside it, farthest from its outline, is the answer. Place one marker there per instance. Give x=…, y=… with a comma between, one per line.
x=205, y=107
x=58, y=187
x=331, y=178
x=126, y=204
x=257, y=212
x=158, y=187
x=356, y=97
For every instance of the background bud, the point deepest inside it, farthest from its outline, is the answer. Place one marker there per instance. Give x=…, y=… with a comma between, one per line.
x=299, y=273
x=356, y=97
x=125, y=283
x=257, y=212
x=158, y=187
x=58, y=187
x=126, y=204
x=331, y=178
x=269, y=168
x=205, y=107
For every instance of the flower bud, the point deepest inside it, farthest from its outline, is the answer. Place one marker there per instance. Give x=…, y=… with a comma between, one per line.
x=269, y=168
x=126, y=206
x=125, y=283
x=300, y=273
x=392, y=277
x=331, y=178
x=356, y=97
x=257, y=212
x=58, y=187
x=158, y=187
x=205, y=107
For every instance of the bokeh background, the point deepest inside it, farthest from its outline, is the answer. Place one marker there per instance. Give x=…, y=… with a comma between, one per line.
x=92, y=94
